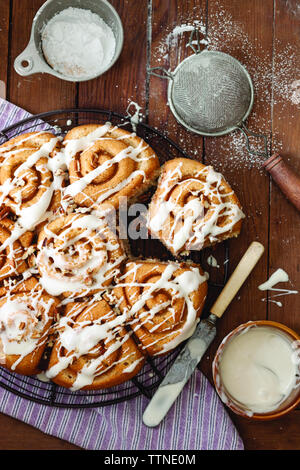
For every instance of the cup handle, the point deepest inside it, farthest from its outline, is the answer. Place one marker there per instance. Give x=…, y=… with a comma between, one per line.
x=28, y=62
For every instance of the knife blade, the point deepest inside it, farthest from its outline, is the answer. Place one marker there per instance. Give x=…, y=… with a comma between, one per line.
x=180, y=372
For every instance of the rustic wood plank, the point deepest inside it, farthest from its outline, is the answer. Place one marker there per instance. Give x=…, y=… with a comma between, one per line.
x=171, y=28
x=15, y=435
x=4, y=38
x=244, y=29
x=126, y=80
x=285, y=220
x=280, y=434
x=168, y=49
x=39, y=92
x=245, y=32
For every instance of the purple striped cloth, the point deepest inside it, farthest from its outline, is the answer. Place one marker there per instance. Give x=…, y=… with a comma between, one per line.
x=197, y=421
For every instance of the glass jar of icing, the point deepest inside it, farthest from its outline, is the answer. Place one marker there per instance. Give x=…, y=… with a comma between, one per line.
x=256, y=370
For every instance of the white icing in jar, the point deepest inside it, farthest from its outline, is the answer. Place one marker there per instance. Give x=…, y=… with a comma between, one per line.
x=256, y=370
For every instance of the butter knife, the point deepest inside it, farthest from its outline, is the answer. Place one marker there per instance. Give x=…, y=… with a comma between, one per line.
x=187, y=360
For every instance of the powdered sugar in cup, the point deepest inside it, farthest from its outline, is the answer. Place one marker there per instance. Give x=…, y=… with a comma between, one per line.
x=78, y=43
x=73, y=40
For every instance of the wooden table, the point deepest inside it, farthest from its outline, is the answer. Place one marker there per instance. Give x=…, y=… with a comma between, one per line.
x=265, y=36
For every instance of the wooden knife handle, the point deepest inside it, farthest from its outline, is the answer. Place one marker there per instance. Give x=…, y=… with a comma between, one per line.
x=237, y=278
x=285, y=177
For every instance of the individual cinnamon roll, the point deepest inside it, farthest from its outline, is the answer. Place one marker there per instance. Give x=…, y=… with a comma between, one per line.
x=106, y=163
x=14, y=249
x=193, y=207
x=162, y=301
x=78, y=254
x=26, y=314
x=31, y=176
x=93, y=350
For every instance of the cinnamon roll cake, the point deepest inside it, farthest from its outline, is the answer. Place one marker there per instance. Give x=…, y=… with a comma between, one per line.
x=156, y=303
x=93, y=349
x=26, y=315
x=107, y=163
x=193, y=207
x=68, y=288
x=78, y=254
x=163, y=302
x=31, y=177
x=14, y=250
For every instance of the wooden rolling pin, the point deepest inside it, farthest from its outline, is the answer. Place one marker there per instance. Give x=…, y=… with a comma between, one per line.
x=286, y=179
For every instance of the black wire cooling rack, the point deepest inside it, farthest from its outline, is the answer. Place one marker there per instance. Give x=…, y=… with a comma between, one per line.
x=148, y=379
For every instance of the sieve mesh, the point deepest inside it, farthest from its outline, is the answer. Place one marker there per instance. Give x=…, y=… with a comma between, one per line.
x=211, y=93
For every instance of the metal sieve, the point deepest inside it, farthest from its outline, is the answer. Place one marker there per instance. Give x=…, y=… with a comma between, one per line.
x=211, y=93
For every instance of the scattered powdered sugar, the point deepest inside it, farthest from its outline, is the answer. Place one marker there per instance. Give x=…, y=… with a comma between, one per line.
x=286, y=74
x=295, y=86
x=275, y=82
x=78, y=43
x=233, y=146
x=172, y=38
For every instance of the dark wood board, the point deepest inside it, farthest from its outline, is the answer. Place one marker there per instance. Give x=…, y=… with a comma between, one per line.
x=250, y=41
x=126, y=81
x=265, y=37
x=39, y=92
x=4, y=41
x=167, y=50
x=15, y=435
x=284, y=219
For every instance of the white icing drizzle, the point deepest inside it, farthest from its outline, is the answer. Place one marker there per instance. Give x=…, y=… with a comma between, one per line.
x=190, y=228
x=55, y=168
x=181, y=286
x=211, y=261
x=42, y=377
x=80, y=338
x=278, y=276
x=30, y=215
x=74, y=146
x=135, y=117
x=23, y=318
x=279, y=304
x=95, y=262
x=79, y=185
x=21, y=326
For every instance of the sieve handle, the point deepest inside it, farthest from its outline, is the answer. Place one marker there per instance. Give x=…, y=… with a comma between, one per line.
x=195, y=34
x=164, y=73
x=285, y=177
x=248, y=133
